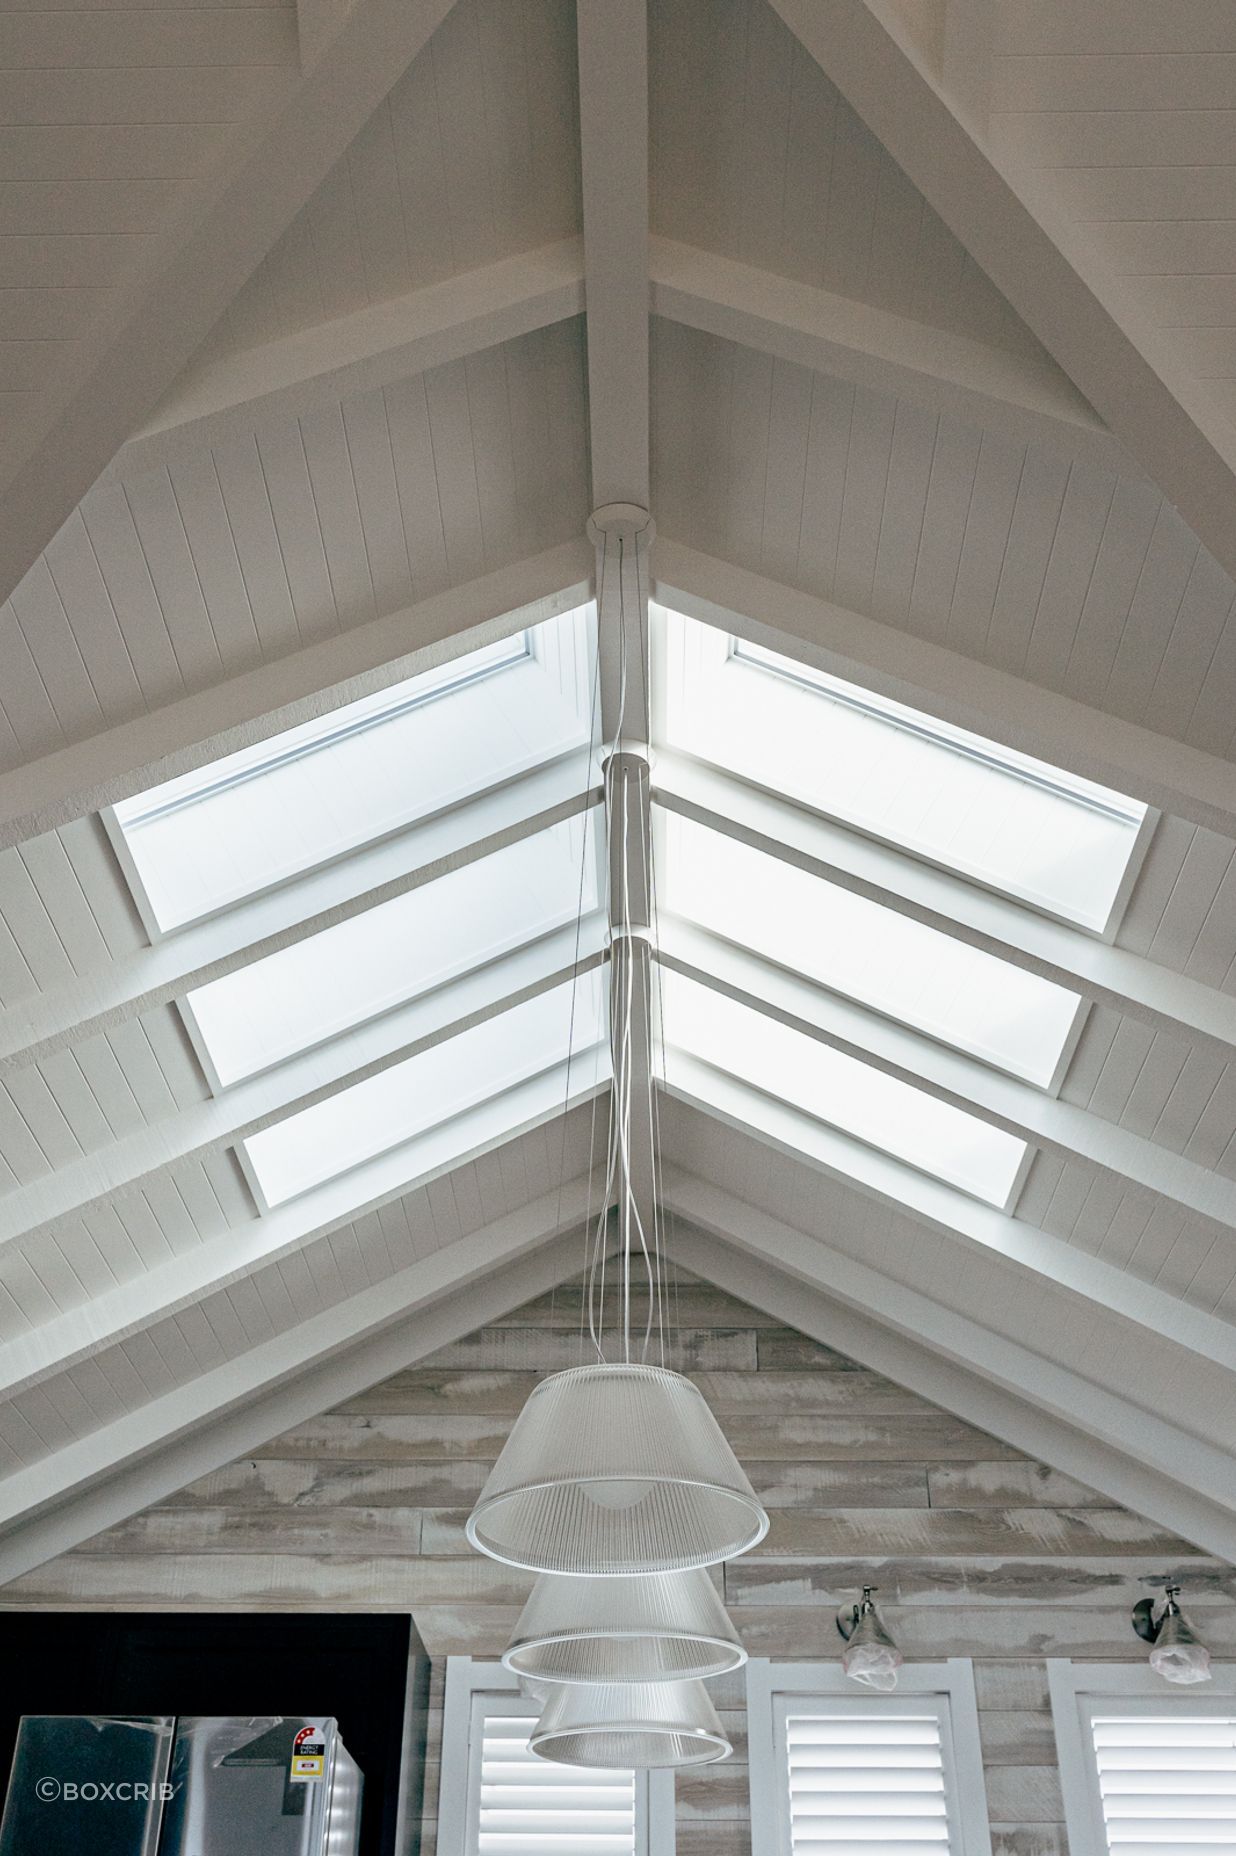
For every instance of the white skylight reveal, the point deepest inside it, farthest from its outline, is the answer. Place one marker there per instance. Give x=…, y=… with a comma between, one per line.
x=1062, y=844
x=391, y=1109
x=899, y=967
x=838, y=1090
x=266, y=814
x=351, y=973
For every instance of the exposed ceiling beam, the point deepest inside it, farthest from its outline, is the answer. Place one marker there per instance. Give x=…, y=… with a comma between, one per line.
x=613, y=107
x=247, y=1107
x=85, y=1005
x=917, y=1342
x=1050, y=272
x=947, y=1074
x=224, y=227
x=1021, y=398
x=185, y=734
x=1114, y=976
x=980, y=1240
x=371, y=347
x=1161, y=772
x=294, y=1229
x=613, y=117
x=174, y=1439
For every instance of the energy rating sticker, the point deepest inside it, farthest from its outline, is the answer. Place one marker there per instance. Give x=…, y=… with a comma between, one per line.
x=308, y=1755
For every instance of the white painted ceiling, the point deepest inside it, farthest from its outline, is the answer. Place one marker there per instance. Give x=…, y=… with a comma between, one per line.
x=325, y=326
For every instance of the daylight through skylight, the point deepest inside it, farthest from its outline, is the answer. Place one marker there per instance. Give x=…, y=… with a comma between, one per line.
x=1063, y=845
x=314, y=793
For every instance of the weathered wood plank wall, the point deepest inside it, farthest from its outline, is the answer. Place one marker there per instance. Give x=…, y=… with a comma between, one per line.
x=977, y=1551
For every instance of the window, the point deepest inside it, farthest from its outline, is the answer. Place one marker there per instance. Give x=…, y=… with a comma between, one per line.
x=498, y=1799
x=385, y=1112
x=880, y=1111
x=834, y=1769
x=900, y=968
x=811, y=959
x=267, y=814
x=380, y=908
x=1144, y=1771
x=1062, y=844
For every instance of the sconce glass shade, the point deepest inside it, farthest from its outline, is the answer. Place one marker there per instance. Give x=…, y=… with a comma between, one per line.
x=611, y=1470
x=655, y=1627
x=624, y=1725
x=871, y=1657
x=1177, y=1655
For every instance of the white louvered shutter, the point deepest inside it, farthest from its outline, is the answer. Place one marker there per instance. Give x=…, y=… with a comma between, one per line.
x=869, y=1783
x=1168, y=1783
x=531, y=1807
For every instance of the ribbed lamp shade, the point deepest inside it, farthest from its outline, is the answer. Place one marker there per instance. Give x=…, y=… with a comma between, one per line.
x=616, y=1469
x=658, y=1627
x=628, y=1724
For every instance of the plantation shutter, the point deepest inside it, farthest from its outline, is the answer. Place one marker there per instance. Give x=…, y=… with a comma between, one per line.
x=531, y=1807
x=1168, y=1783
x=868, y=1781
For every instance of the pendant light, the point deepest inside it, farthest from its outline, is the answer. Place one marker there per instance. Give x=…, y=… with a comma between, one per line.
x=655, y=1628
x=630, y=1725
x=618, y=1467
x=612, y=1470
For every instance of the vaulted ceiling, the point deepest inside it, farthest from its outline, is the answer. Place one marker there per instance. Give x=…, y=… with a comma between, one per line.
x=326, y=327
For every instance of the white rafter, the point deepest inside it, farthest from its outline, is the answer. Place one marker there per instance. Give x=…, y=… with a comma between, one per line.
x=226, y=226
x=1057, y=282
x=44, y=793
x=371, y=347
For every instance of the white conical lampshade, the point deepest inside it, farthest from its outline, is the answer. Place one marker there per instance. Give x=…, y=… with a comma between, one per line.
x=656, y=1627
x=616, y=1469
x=630, y=1724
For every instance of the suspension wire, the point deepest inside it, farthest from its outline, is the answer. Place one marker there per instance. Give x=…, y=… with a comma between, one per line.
x=623, y=969
x=654, y=910
x=586, y=834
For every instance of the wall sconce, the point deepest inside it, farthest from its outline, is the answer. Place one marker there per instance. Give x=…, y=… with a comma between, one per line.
x=870, y=1656
x=1177, y=1654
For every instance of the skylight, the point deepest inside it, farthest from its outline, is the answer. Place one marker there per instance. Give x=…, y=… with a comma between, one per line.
x=259, y=817
x=389, y=1110
x=1062, y=844
x=843, y=1093
x=898, y=967
x=351, y=973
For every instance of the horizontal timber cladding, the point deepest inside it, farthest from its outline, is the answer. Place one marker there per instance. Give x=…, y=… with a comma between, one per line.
x=977, y=1551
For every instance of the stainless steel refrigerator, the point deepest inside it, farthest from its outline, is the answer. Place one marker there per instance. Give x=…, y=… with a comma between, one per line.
x=191, y=1785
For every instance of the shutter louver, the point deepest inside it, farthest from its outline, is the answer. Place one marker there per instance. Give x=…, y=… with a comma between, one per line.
x=867, y=1784
x=1168, y=1785
x=531, y=1807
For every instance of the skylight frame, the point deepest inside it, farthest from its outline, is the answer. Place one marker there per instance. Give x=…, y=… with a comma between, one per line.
x=549, y=642
x=1055, y=780
x=324, y=731
x=715, y=639
x=790, y=1111
x=586, y=876
x=583, y=1052
x=671, y=827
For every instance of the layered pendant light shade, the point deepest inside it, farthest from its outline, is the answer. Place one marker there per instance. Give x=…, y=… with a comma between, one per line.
x=616, y=1483
x=614, y=1470
x=630, y=1725
x=661, y=1627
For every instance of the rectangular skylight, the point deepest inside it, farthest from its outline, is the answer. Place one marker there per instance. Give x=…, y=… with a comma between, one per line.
x=391, y=1109
x=1011, y=823
x=260, y=817
x=353, y=972
x=909, y=972
x=838, y=1090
